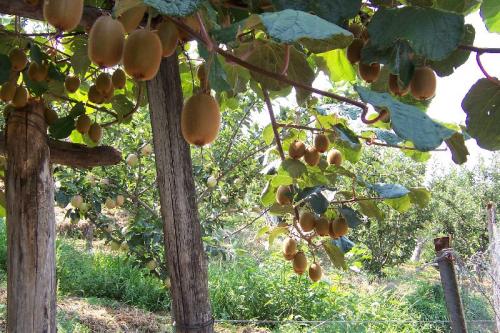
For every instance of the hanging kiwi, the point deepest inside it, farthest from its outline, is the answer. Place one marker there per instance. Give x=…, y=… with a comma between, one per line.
x=119, y=79
x=339, y=227
x=8, y=91
x=192, y=22
x=142, y=55
x=289, y=248
x=423, y=83
x=297, y=149
x=18, y=59
x=395, y=88
x=20, y=98
x=132, y=18
x=71, y=83
x=322, y=226
x=200, y=119
x=369, y=72
x=169, y=37
x=311, y=156
x=284, y=195
x=64, y=15
x=299, y=263
x=94, y=95
x=83, y=124
x=334, y=157
x=315, y=272
x=38, y=72
x=95, y=133
x=50, y=116
x=103, y=83
x=354, y=51
x=307, y=221
x=321, y=143
x=106, y=41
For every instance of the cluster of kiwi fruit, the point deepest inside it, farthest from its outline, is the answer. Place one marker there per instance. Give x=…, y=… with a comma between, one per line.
x=17, y=95
x=422, y=86
x=312, y=154
x=299, y=260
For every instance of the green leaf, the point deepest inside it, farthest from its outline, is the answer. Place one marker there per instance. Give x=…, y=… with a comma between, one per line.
x=389, y=191
x=217, y=75
x=335, y=11
x=174, y=7
x=35, y=88
x=401, y=204
x=432, y=33
x=459, y=151
x=77, y=110
x=370, y=209
x=121, y=105
x=457, y=6
x=279, y=210
x=122, y=6
x=268, y=134
x=408, y=121
x=4, y=68
x=267, y=197
x=458, y=57
x=348, y=143
x=293, y=168
x=490, y=12
x=335, y=64
x=290, y=26
x=419, y=196
x=79, y=59
x=318, y=202
x=482, y=106
x=278, y=180
x=275, y=233
x=351, y=216
x=36, y=53
x=62, y=128
x=262, y=231
x=335, y=254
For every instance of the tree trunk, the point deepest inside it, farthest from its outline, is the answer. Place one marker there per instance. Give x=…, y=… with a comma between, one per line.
x=31, y=290
x=181, y=226
x=417, y=251
x=494, y=233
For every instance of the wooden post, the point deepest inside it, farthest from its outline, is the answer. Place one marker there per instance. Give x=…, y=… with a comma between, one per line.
x=181, y=226
x=494, y=233
x=31, y=269
x=450, y=285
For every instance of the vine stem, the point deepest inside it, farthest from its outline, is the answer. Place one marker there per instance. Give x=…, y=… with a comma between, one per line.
x=480, y=49
x=481, y=67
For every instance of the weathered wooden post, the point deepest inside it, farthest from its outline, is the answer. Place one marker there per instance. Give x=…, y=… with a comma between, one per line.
x=494, y=234
x=31, y=291
x=450, y=285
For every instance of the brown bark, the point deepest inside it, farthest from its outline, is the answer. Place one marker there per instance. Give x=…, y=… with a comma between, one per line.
x=182, y=230
x=494, y=234
x=31, y=290
x=76, y=155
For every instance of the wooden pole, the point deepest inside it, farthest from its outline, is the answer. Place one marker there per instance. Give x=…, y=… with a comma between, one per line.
x=450, y=285
x=181, y=226
x=31, y=268
x=494, y=234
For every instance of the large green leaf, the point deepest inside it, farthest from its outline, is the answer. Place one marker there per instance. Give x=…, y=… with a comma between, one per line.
x=419, y=196
x=370, y=209
x=432, y=33
x=62, y=128
x=335, y=64
x=4, y=68
x=459, y=151
x=458, y=57
x=175, y=7
x=335, y=11
x=335, y=254
x=401, y=204
x=121, y=105
x=79, y=59
x=292, y=168
x=490, y=12
x=290, y=26
x=351, y=216
x=482, y=106
x=408, y=121
x=457, y=6
x=217, y=76
x=389, y=191
x=267, y=197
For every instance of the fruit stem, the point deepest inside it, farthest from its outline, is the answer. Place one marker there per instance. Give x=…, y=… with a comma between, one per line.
x=284, y=70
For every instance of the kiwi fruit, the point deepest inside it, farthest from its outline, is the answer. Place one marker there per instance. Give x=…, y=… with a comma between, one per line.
x=64, y=15
x=307, y=221
x=108, y=95
x=299, y=263
x=288, y=256
x=18, y=59
x=354, y=51
x=200, y=119
x=103, y=83
x=95, y=96
x=71, y=83
x=169, y=37
x=95, y=132
x=395, y=88
x=322, y=226
x=297, y=149
x=315, y=272
x=334, y=157
x=8, y=91
x=142, y=55
x=37, y=72
x=119, y=79
x=50, y=116
x=339, y=226
x=83, y=124
x=321, y=143
x=20, y=98
x=423, y=83
x=311, y=156
x=290, y=247
x=369, y=72
x=192, y=22
x=132, y=18
x=106, y=41
x=284, y=195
